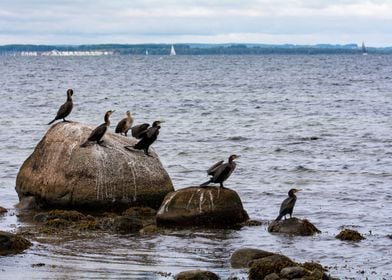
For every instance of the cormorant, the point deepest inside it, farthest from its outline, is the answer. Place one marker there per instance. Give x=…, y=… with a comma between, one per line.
x=125, y=124
x=97, y=134
x=288, y=205
x=139, y=130
x=64, y=109
x=221, y=171
x=147, y=138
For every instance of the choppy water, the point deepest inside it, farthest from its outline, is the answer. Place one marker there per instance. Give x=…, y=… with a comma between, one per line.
x=322, y=123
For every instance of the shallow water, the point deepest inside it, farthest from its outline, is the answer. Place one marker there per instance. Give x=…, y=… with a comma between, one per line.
x=322, y=123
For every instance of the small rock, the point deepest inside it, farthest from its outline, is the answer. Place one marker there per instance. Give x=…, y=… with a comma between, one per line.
x=242, y=258
x=202, y=206
x=350, y=235
x=3, y=210
x=12, y=243
x=293, y=226
x=196, y=275
x=124, y=225
x=271, y=264
x=292, y=272
x=149, y=229
x=272, y=276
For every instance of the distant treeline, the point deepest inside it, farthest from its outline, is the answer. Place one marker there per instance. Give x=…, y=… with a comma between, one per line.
x=199, y=49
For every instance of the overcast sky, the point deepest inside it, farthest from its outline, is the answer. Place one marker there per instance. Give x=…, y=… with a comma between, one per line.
x=204, y=21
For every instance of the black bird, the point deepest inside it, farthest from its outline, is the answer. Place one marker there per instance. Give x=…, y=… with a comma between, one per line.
x=147, y=138
x=124, y=125
x=221, y=171
x=139, y=130
x=64, y=109
x=288, y=205
x=97, y=134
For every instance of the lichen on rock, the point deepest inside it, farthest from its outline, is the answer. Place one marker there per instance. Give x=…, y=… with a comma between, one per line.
x=61, y=174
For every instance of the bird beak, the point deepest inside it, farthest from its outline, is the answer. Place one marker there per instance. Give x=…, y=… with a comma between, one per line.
x=297, y=190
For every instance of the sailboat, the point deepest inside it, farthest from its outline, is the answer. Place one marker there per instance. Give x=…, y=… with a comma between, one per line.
x=172, y=51
x=364, y=51
x=146, y=52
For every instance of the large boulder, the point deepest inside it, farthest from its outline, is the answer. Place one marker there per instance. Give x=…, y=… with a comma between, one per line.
x=12, y=243
x=202, y=206
x=293, y=226
x=60, y=173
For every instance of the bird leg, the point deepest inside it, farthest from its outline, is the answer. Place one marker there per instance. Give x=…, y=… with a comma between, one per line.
x=100, y=142
x=64, y=120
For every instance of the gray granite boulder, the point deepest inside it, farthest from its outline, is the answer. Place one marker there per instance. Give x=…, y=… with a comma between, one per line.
x=60, y=173
x=202, y=206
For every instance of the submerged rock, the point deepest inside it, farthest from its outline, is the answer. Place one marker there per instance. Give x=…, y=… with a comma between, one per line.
x=272, y=266
x=243, y=257
x=60, y=173
x=293, y=226
x=202, y=206
x=350, y=235
x=196, y=275
x=12, y=243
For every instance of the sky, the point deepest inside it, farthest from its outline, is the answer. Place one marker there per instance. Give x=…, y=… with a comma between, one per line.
x=77, y=22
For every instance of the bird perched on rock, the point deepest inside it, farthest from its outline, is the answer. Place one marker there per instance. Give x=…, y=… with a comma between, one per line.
x=125, y=124
x=64, y=109
x=221, y=171
x=97, y=134
x=139, y=130
x=288, y=205
x=147, y=137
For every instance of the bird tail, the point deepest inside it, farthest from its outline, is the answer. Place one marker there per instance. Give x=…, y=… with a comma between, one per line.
x=279, y=218
x=84, y=144
x=205, y=183
x=52, y=122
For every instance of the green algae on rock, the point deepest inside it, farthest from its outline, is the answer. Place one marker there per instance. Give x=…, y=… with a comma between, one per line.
x=12, y=243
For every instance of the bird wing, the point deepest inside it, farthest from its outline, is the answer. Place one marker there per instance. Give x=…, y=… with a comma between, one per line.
x=152, y=132
x=120, y=126
x=64, y=110
x=139, y=130
x=287, y=205
x=98, y=133
x=213, y=168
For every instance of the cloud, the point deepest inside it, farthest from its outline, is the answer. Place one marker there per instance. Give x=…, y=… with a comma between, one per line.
x=137, y=21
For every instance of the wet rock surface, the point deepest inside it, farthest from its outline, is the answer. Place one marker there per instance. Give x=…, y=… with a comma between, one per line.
x=293, y=226
x=196, y=275
x=202, y=206
x=75, y=223
x=12, y=243
x=242, y=258
x=61, y=174
x=272, y=266
x=350, y=235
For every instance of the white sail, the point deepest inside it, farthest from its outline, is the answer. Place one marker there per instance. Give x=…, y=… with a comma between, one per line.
x=364, y=51
x=172, y=51
x=146, y=52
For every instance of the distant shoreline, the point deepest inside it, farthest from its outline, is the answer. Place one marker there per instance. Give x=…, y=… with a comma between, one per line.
x=184, y=49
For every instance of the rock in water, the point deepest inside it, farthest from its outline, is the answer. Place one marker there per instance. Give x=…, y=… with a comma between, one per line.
x=12, y=243
x=202, y=206
x=60, y=173
x=243, y=258
x=196, y=275
x=293, y=226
